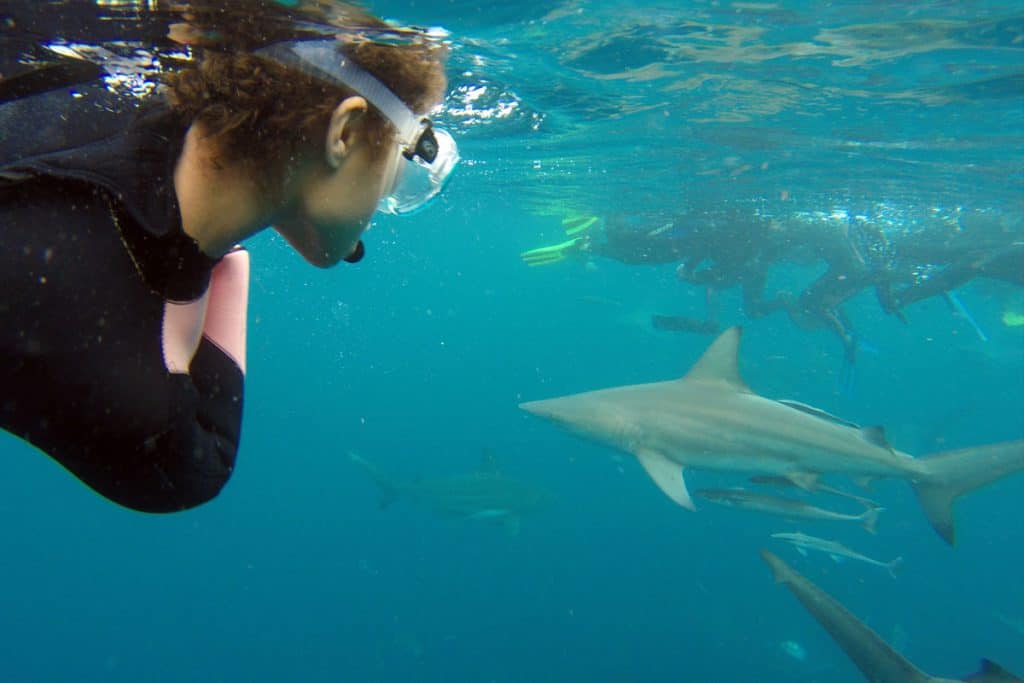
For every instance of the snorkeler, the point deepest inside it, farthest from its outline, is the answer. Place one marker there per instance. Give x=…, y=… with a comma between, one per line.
x=123, y=334
x=617, y=238
x=716, y=249
x=1005, y=263
x=726, y=249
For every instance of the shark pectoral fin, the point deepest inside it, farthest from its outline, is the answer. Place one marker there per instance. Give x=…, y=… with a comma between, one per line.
x=802, y=551
x=838, y=559
x=808, y=481
x=667, y=475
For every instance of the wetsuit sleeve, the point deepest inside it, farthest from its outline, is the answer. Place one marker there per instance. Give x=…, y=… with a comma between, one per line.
x=217, y=370
x=195, y=456
x=208, y=421
x=84, y=370
x=219, y=385
x=186, y=458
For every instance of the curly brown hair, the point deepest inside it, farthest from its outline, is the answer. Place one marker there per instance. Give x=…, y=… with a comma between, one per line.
x=265, y=115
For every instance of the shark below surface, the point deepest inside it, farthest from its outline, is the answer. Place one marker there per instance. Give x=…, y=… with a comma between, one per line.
x=786, y=507
x=710, y=419
x=484, y=495
x=876, y=659
x=813, y=486
x=834, y=549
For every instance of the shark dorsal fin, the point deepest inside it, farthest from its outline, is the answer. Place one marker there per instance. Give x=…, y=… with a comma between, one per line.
x=720, y=362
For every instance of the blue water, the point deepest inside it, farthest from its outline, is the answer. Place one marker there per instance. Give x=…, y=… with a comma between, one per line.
x=417, y=358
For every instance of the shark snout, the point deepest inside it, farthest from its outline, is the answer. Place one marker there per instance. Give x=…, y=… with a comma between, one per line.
x=536, y=408
x=575, y=413
x=557, y=410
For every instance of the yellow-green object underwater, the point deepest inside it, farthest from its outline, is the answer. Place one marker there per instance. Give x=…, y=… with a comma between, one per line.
x=542, y=256
x=1013, y=319
x=574, y=225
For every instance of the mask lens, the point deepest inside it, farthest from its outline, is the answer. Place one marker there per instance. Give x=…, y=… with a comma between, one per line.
x=419, y=181
x=426, y=146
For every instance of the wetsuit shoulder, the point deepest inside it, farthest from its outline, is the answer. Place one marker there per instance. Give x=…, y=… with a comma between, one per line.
x=82, y=344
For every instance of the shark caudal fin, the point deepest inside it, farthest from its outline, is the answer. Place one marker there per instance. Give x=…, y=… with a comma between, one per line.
x=951, y=474
x=894, y=565
x=869, y=519
x=386, y=486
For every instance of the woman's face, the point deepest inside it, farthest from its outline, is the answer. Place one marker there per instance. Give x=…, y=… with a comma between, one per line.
x=331, y=206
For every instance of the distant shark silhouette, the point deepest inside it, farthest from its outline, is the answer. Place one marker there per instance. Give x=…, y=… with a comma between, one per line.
x=483, y=495
x=876, y=659
x=710, y=419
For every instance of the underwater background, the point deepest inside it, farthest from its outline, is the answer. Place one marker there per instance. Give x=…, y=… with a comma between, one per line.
x=416, y=359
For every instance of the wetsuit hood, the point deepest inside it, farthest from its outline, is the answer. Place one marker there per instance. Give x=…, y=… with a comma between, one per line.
x=130, y=154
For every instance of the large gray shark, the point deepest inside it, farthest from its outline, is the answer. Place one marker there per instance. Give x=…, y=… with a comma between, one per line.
x=483, y=495
x=710, y=419
x=876, y=659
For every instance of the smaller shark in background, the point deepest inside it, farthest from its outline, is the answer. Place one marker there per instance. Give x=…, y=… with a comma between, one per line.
x=710, y=419
x=484, y=495
x=813, y=485
x=834, y=549
x=875, y=658
x=787, y=507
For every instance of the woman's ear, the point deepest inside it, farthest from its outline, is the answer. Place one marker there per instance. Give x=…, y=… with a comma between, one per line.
x=343, y=129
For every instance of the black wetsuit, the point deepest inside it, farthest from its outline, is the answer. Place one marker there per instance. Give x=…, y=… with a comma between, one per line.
x=91, y=248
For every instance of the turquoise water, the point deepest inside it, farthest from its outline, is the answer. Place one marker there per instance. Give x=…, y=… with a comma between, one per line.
x=417, y=358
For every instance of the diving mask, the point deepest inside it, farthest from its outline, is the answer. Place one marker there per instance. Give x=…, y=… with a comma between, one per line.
x=431, y=152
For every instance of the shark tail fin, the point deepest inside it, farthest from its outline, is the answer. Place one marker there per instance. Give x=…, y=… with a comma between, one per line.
x=951, y=474
x=991, y=672
x=386, y=486
x=894, y=565
x=869, y=520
